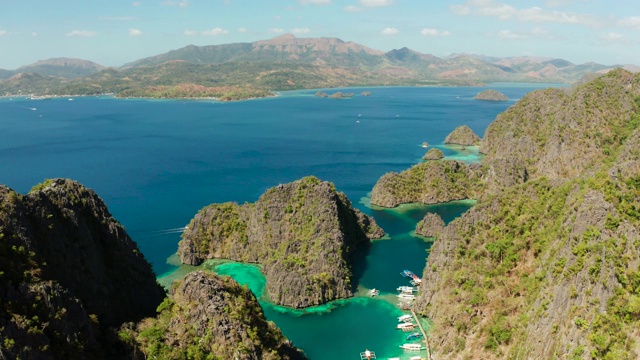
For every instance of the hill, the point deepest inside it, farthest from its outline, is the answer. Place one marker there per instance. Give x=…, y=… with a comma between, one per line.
x=283, y=63
x=545, y=265
x=304, y=235
x=57, y=67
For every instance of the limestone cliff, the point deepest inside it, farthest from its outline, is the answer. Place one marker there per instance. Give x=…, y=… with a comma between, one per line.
x=430, y=225
x=208, y=316
x=429, y=183
x=433, y=154
x=547, y=263
x=303, y=233
x=491, y=95
x=462, y=135
x=68, y=272
x=560, y=133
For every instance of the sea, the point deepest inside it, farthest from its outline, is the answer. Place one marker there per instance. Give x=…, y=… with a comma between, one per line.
x=155, y=163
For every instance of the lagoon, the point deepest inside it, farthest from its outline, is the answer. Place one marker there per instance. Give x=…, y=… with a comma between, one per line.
x=157, y=162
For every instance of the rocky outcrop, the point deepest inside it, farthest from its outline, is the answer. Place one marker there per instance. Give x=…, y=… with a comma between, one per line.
x=462, y=135
x=429, y=183
x=559, y=133
x=491, y=95
x=430, y=225
x=209, y=316
x=68, y=271
x=433, y=154
x=542, y=265
x=303, y=233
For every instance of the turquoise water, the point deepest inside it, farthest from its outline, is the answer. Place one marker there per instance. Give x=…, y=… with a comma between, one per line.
x=157, y=162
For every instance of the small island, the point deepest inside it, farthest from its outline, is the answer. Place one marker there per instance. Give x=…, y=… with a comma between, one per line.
x=462, y=135
x=336, y=95
x=433, y=154
x=302, y=233
x=491, y=95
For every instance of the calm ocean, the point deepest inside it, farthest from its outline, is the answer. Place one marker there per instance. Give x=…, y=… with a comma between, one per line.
x=157, y=162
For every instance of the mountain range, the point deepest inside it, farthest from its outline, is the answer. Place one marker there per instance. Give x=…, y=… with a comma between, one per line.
x=282, y=63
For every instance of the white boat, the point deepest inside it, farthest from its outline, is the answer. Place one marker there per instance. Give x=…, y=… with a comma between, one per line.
x=407, y=289
x=416, y=282
x=412, y=347
x=415, y=358
x=406, y=325
x=405, y=318
x=367, y=355
x=406, y=296
x=374, y=292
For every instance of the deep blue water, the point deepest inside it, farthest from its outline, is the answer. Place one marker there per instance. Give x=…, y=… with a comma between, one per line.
x=157, y=162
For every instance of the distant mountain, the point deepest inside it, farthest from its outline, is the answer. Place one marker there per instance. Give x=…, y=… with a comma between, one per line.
x=283, y=63
x=57, y=67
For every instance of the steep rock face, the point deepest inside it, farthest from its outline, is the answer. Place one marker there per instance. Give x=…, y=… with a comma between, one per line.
x=429, y=183
x=559, y=133
x=433, y=154
x=430, y=225
x=211, y=316
x=491, y=95
x=544, y=266
x=68, y=271
x=303, y=234
x=462, y=135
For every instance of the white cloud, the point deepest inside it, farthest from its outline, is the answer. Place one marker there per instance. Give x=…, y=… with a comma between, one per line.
x=135, y=32
x=136, y=3
x=81, y=33
x=34, y=34
x=510, y=35
x=633, y=21
x=352, y=8
x=536, y=14
x=301, y=30
x=190, y=33
x=434, y=32
x=215, y=32
x=242, y=30
x=275, y=30
x=504, y=11
x=3, y=32
x=390, y=31
x=375, y=3
x=181, y=3
x=315, y=2
x=616, y=38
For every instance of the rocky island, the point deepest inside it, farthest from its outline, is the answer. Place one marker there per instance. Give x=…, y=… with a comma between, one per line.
x=73, y=285
x=462, y=135
x=491, y=95
x=302, y=233
x=433, y=154
x=546, y=265
x=429, y=182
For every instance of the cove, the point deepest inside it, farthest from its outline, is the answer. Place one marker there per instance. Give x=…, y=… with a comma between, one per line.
x=156, y=163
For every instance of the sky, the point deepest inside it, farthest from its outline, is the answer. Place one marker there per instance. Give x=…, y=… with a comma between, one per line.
x=115, y=32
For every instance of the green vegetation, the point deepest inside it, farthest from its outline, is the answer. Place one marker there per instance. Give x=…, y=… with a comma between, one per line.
x=304, y=230
x=553, y=260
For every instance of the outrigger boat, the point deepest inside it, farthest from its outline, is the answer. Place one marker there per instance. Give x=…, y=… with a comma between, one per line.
x=407, y=289
x=367, y=355
x=406, y=325
x=412, y=347
x=415, y=280
x=374, y=292
x=406, y=296
x=414, y=336
x=405, y=318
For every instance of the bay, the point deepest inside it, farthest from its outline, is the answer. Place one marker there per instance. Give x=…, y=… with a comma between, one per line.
x=157, y=162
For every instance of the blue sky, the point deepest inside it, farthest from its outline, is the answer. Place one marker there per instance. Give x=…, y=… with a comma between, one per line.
x=116, y=32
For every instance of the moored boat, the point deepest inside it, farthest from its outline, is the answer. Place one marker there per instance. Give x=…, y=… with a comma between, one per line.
x=405, y=318
x=406, y=325
x=412, y=347
x=407, y=289
x=367, y=355
x=414, y=336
